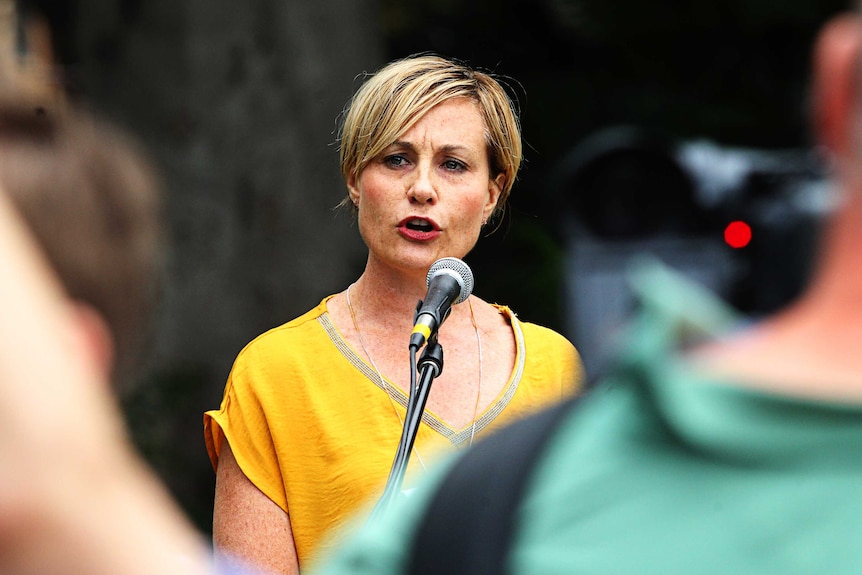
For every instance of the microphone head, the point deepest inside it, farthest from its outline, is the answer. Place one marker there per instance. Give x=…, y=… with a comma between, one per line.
x=458, y=270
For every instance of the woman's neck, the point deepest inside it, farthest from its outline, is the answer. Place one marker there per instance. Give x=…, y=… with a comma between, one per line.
x=389, y=297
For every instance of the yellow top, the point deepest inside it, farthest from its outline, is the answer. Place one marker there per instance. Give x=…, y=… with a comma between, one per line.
x=311, y=427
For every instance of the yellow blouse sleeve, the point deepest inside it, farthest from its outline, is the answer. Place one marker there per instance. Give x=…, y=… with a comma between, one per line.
x=242, y=420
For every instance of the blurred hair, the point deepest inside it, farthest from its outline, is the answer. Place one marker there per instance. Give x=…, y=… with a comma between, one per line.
x=393, y=99
x=92, y=202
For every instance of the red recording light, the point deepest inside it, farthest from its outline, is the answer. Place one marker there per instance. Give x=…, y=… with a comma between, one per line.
x=737, y=234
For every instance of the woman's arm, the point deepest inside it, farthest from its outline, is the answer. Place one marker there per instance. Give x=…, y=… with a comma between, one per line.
x=247, y=524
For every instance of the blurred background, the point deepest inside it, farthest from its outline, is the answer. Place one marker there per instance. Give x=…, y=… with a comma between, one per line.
x=678, y=128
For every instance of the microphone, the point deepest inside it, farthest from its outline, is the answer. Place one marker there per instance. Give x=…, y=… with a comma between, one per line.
x=449, y=281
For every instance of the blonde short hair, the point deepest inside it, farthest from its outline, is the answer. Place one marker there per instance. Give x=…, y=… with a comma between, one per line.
x=393, y=99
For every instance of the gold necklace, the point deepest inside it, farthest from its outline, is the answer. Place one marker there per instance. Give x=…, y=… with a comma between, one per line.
x=389, y=387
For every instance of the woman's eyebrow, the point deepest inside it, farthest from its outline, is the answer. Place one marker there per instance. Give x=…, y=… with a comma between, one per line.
x=446, y=148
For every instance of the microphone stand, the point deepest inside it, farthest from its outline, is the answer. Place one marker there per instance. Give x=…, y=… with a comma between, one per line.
x=430, y=365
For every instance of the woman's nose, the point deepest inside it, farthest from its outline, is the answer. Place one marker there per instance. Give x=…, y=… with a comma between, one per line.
x=422, y=189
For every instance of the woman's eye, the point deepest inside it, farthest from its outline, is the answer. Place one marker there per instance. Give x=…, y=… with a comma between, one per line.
x=454, y=165
x=395, y=160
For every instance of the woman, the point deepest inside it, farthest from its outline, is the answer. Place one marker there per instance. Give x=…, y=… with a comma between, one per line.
x=313, y=410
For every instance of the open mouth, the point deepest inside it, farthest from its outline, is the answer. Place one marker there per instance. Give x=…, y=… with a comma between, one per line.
x=419, y=225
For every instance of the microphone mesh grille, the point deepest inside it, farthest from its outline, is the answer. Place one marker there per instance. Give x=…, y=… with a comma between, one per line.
x=460, y=268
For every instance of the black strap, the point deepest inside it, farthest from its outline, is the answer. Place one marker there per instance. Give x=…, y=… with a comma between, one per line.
x=470, y=521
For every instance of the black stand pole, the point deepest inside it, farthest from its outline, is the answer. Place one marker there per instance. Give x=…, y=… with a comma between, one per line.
x=430, y=365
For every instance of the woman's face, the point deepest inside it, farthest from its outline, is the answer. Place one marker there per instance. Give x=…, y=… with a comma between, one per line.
x=426, y=195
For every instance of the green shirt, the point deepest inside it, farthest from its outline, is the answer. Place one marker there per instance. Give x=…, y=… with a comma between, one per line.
x=664, y=470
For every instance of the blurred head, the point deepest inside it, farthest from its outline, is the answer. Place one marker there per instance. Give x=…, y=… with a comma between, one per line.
x=392, y=100
x=838, y=94
x=91, y=202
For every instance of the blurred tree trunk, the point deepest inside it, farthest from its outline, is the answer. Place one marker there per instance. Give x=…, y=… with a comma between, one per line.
x=237, y=102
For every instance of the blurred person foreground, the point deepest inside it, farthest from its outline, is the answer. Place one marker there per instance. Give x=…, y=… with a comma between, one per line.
x=711, y=445
x=80, y=245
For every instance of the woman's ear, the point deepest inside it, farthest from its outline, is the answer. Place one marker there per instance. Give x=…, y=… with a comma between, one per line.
x=495, y=190
x=353, y=189
x=836, y=85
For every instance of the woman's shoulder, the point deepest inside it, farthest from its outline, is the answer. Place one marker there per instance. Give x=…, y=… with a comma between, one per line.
x=287, y=353
x=545, y=351
x=526, y=327
x=296, y=333
x=538, y=331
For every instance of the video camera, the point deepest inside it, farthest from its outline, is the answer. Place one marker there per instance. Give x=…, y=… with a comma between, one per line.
x=742, y=222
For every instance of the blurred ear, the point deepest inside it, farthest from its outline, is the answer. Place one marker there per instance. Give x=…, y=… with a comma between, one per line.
x=837, y=85
x=94, y=337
